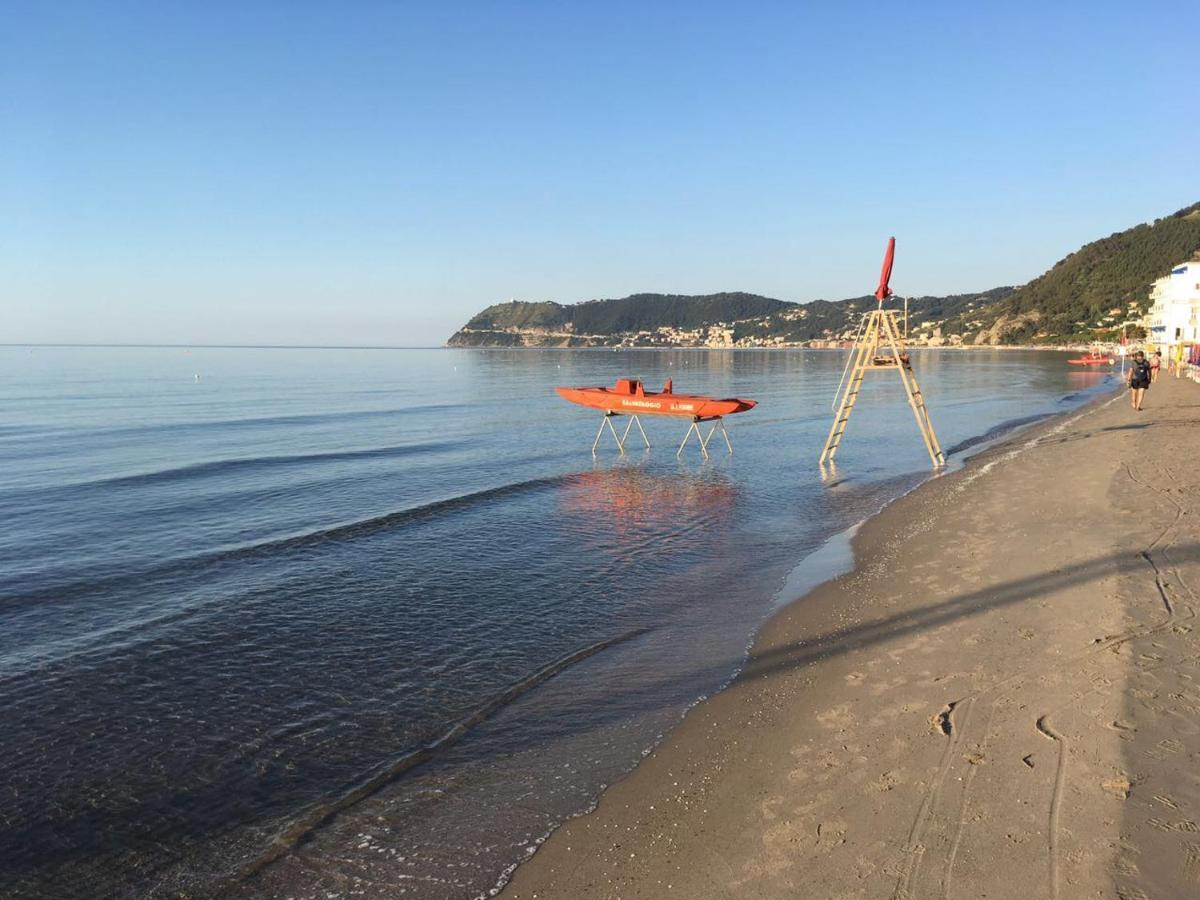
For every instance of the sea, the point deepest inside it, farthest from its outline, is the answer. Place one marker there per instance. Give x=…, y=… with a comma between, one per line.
x=373, y=622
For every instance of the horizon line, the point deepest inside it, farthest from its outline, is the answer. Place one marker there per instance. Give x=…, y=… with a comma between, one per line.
x=228, y=346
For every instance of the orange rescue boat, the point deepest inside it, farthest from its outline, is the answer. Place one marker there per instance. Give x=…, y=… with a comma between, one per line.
x=628, y=397
x=1092, y=359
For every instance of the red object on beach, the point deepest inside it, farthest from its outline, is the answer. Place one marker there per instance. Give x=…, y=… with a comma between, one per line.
x=883, y=291
x=629, y=397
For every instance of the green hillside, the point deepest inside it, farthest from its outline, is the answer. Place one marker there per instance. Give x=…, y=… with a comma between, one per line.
x=823, y=319
x=1101, y=276
x=641, y=319
x=646, y=311
x=517, y=314
x=637, y=312
x=595, y=322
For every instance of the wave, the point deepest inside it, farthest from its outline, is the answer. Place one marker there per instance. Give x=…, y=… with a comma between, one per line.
x=251, y=422
x=297, y=419
x=230, y=466
x=996, y=431
x=321, y=812
x=345, y=531
x=385, y=522
x=1096, y=390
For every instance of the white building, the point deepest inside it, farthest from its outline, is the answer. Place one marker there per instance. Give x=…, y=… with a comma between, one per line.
x=1174, y=316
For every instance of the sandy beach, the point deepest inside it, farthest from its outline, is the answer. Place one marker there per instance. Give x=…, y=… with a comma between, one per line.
x=1001, y=700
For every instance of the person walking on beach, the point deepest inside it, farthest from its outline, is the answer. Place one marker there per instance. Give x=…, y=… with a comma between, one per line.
x=1139, y=379
x=1155, y=365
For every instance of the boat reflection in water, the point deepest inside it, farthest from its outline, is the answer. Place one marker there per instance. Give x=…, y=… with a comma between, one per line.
x=648, y=504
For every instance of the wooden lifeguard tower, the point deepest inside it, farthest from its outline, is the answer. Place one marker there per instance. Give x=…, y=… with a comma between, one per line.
x=880, y=347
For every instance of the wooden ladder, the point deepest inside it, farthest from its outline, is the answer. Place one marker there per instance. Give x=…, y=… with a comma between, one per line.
x=881, y=329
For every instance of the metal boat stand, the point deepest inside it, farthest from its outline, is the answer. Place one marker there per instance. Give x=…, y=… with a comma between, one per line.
x=607, y=420
x=718, y=425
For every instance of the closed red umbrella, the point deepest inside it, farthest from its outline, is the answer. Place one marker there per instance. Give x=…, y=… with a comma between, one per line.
x=883, y=291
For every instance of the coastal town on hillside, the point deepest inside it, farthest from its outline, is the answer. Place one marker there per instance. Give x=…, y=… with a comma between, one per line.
x=930, y=333
x=1169, y=315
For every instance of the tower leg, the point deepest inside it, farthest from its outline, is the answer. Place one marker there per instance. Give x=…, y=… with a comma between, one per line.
x=880, y=329
x=864, y=353
x=916, y=400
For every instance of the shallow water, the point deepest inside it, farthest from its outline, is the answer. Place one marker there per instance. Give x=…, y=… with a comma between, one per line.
x=242, y=613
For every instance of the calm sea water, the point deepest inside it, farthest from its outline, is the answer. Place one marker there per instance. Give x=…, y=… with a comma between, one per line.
x=328, y=622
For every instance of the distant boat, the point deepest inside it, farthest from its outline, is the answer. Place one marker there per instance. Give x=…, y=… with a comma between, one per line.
x=1092, y=359
x=629, y=397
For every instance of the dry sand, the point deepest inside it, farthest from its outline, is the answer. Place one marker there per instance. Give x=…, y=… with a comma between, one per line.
x=1002, y=700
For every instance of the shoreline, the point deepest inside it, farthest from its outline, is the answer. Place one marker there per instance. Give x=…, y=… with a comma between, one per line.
x=955, y=348
x=719, y=808
x=834, y=558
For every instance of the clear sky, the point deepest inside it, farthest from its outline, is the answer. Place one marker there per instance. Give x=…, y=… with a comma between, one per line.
x=374, y=173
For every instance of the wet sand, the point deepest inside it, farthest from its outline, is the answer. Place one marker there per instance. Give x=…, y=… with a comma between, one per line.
x=1001, y=700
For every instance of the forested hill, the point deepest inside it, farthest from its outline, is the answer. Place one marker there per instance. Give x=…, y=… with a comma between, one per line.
x=1071, y=300
x=637, y=312
x=1089, y=295
x=713, y=320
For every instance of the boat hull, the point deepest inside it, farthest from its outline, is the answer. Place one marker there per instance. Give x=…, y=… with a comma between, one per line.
x=688, y=406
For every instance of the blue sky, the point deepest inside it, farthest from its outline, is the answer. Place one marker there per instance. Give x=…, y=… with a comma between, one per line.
x=374, y=173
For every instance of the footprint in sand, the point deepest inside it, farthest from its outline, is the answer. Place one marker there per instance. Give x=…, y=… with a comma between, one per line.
x=1164, y=749
x=1127, y=867
x=1131, y=893
x=837, y=717
x=886, y=782
x=1191, y=863
x=1118, y=786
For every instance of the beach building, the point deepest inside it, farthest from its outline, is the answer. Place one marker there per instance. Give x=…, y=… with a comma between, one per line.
x=1174, y=316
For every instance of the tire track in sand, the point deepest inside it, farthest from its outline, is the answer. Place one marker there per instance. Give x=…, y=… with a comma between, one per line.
x=1060, y=781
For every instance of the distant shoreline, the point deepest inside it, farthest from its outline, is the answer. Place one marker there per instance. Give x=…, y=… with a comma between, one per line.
x=608, y=349
x=605, y=349
x=234, y=346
